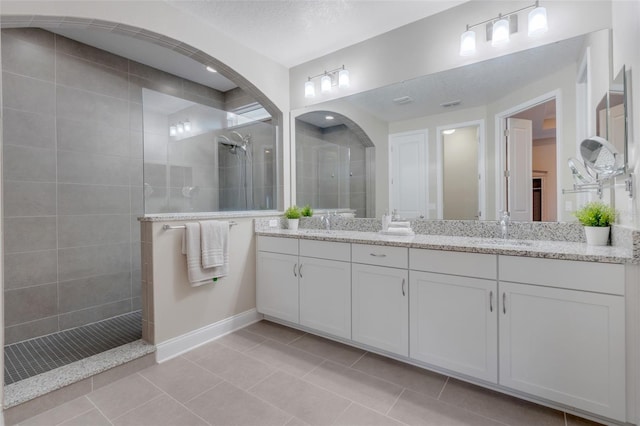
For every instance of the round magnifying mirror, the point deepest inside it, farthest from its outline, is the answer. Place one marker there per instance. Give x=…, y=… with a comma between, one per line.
x=580, y=174
x=601, y=157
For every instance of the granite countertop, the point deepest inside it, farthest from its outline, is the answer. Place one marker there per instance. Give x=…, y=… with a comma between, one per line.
x=528, y=248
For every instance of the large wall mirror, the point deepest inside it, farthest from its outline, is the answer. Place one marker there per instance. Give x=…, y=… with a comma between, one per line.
x=521, y=115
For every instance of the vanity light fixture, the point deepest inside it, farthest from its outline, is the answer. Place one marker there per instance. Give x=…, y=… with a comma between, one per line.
x=180, y=128
x=173, y=131
x=328, y=79
x=499, y=28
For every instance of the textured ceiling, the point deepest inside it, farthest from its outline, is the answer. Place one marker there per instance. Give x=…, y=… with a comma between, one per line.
x=291, y=32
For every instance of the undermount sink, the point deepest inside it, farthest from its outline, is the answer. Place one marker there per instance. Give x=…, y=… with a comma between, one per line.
x=504, y=243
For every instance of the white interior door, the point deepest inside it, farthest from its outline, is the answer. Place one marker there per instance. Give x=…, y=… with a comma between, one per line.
x=519, y=161
x=408, y=189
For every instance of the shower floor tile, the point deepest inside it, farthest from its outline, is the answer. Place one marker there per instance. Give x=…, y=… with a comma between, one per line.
x=35, y=356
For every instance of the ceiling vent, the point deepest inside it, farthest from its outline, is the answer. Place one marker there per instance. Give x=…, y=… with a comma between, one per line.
x=451, y=103
x=403, y=100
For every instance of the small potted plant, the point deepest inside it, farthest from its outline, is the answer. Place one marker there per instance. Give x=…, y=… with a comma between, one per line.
x=307, y=211
x=596, y=217
x=293, y=217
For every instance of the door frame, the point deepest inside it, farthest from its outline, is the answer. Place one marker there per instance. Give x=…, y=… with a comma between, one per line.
x=481, y=165
x=500, y=142
x=392, y=136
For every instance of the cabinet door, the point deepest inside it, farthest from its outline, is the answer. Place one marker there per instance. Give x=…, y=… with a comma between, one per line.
x=277, y=285
x=564, y=345
x=381, y=307
x=454, y=323
x=325, y=296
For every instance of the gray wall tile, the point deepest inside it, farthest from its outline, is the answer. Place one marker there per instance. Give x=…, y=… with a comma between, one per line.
x=28, y=94
x=74, y=104
x=87, y=230
x=29, y=330
x=98, y=138
x=92, y=199
x=81, y=74
x=83, y=262
x=90, y=53
x=26, y=163
x=85, y=168
x=94, y=291
x=28, y=53
x=30, y=268
x=28, y=129
x=29, y=304
x=29, y=198
x=29, y=234
x=89, y=315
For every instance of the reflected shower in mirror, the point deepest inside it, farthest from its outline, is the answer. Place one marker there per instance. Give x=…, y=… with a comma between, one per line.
x=202, y=159
x=611, y=116
x=334, y=164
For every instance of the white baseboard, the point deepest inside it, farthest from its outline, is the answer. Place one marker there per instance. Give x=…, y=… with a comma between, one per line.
x=181, y=344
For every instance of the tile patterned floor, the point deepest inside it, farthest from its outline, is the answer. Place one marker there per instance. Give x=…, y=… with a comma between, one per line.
x=267, y=374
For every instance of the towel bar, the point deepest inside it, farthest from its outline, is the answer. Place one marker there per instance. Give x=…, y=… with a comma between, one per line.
x=166, y=227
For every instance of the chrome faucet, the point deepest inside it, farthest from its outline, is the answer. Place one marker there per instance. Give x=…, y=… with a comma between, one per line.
x=505, y=221
x=326, y=220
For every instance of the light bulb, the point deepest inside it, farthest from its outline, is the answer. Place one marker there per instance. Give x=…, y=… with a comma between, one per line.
x=468, y=43
x=538, y=21
x=500, y=32
x=343, y=78
x=309, y=89
x=172, y=130
x=187, y=126
x=180, y=128
x=325, y=84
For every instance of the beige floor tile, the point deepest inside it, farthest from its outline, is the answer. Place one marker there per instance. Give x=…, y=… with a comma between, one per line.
x=355, y=385
x=228, y=405
x=287, y=358
x=235, y=367
x=61, y=413
x=402, y=374
x=125, y=394
x=334, y=351
x=304, y=400
x=275, y=331
x=203, y=351
x=90, y=418
x=503, y=408
x=241, y=340
x=357, y=415
x=579, y=421
x=296, y=422
x=180, y=378
x=418, y=409
x=162, y=411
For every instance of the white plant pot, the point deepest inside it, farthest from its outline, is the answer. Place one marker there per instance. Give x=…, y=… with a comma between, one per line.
x=293, y=224
x=597, y=235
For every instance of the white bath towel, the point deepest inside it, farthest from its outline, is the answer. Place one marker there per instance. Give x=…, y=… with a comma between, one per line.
x=214, y=238
x=191, y=247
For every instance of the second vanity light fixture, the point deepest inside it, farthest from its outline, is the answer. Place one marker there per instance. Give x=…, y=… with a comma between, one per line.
x=499, y=28
x=180, y=128
x=338, y=77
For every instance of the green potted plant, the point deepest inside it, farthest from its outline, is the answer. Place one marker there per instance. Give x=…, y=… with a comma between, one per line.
x=307, y=211
x=293, y=214
x=596, y=217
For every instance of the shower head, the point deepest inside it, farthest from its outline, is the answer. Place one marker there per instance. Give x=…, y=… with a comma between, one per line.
x=237, y=137
x=232, y=145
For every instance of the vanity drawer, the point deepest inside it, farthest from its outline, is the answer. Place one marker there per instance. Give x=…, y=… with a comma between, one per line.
x=455, y=263
x=325, y=250
x=395, y=257
x=570, y=274
x=278, y=245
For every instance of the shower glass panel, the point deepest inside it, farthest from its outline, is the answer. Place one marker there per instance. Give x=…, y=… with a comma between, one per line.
x=202, y=159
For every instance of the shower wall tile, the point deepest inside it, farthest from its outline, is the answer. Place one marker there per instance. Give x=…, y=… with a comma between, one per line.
x=81, y=74
x=137, y=195
x=136, y=172
x=29, y=199
x=155, y=148
x=136, y=279
x=98, y=138
x=28, y=129
x=28, y=94
x=74, y=104
x=85, y=168
x=169, y=86
x=155, y=174
x=30, y=268
x=92, y=199
x=93, y=291
x=84, y=262
x=29, y=234
x=29, y=53
x=136, y=145
x=29, y=330
x=90, y=53
x=30, y=164
x=88, y=230
x=161, y=78
x=29, y=304
x=93, y=314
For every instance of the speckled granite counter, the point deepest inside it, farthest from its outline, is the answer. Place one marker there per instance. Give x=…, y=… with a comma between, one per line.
x=529, y=248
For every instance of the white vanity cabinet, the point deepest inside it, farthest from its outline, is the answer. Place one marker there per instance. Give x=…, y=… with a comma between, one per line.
x=560, y=342
x=453, y=319
x=380, y=292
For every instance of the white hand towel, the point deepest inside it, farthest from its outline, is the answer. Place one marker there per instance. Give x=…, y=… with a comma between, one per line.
x=191, y=247
x=395, y=224
x=214, y=238
x=399, y=230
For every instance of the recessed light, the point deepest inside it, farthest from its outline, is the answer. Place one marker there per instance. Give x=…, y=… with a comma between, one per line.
x=451, y=103
x=211, y=69
x=403, y=100
x=329, y=117
x=448, y=131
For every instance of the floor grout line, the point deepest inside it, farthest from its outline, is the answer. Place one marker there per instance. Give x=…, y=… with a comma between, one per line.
x=443, y=386
x=395, y=402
